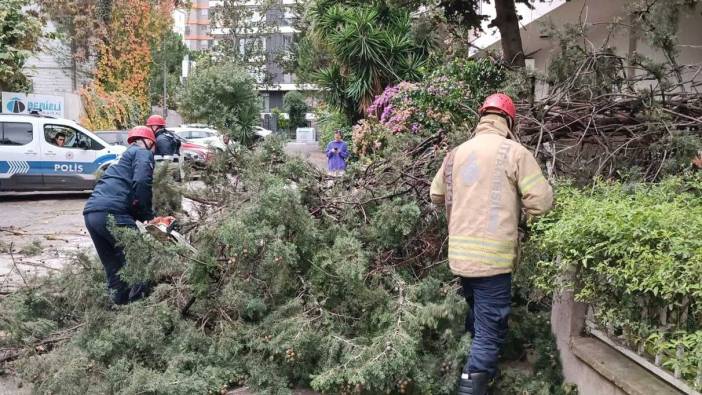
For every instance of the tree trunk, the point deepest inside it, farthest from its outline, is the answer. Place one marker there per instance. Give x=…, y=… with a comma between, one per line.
x=508, y=23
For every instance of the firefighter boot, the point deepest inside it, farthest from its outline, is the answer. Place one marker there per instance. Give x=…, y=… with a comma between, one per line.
x=473, y=384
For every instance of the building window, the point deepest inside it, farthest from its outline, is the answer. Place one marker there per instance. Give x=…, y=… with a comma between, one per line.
x=204, y=12
x=187, y=30
x=265, y=102
x=287, y=40
x=251, y=46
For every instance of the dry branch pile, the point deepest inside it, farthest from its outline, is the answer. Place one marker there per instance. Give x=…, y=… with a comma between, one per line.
x=582, y=131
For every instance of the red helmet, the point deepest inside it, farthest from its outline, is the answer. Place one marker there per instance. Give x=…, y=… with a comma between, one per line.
x=140, y=132
x=155, y=120
x=499, y=102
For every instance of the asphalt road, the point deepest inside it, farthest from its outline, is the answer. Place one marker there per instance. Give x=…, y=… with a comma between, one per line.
x=38, y=233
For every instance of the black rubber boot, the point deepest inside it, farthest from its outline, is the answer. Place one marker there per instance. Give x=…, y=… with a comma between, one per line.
x=473, y=384
x=140, y=291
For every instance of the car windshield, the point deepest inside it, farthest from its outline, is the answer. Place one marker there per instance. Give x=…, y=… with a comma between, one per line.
x=116, y=137
x=108, y=137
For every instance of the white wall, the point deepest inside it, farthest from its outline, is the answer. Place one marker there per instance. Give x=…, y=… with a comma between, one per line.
x=50, y=77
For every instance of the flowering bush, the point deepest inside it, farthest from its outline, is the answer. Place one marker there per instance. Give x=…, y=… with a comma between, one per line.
x=445, y=102
x=369, y=137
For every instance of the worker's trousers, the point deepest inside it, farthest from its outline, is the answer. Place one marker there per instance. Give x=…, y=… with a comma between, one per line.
x=489, y=300
x=111, y=256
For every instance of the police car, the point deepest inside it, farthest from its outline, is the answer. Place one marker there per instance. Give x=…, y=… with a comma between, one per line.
x=45, y=153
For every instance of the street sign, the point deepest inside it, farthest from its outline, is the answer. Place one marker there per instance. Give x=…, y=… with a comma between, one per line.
x=46, y=104
x=14, y=103
x=21, y=103
x=305, y=135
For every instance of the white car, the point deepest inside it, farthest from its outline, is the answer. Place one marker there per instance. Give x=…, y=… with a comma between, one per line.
x=45, y=153
x=200, y=134
x=261, y=132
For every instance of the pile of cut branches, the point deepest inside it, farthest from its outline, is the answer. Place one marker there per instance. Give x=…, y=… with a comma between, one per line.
x=582, y=130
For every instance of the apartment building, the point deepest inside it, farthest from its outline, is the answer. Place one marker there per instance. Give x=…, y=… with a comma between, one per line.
x=262, y=39
x=194, y=25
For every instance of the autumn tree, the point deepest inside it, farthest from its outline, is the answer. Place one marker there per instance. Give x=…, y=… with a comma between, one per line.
x=124, y=58
x=20, y=31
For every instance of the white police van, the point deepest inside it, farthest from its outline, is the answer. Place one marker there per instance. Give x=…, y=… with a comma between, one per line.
x=45, y=153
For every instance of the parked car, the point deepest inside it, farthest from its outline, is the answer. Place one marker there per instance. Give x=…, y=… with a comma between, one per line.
x=116, y=137
x=200, y=135
x=45, y=153
x=189, y=151
x=261, y=132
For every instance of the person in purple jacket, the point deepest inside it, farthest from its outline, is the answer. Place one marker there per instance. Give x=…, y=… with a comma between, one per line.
x=337, y=152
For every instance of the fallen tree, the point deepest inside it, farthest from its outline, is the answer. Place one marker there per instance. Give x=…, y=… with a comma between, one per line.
x=340, y=285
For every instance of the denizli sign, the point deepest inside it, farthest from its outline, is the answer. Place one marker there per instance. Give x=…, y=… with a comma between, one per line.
x=47, y=105
x=20, y=103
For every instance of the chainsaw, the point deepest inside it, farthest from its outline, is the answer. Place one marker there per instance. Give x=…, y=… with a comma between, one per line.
x=162, y=229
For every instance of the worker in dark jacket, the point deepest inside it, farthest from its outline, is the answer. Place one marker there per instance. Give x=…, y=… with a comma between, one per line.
x=167, y=143
x=123, y=192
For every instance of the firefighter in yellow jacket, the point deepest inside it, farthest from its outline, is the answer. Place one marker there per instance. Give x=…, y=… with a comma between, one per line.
x=485, y=183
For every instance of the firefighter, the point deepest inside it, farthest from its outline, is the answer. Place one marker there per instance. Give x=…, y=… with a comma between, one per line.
x=485, y=183
x=167, y=143
x=124, y=193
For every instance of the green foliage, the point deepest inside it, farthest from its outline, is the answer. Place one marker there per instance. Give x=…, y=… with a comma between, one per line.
x=328, y=121
x=167, y=195
x=223, y=95
x=532, y=363
x=444, y=104
x=20, y=30
x=171, y=51
x=34, y=248
x=637, y=251
x=602, y=75
x=355, y=50
x=294, y=104
x=281, y=121
x=336, y=302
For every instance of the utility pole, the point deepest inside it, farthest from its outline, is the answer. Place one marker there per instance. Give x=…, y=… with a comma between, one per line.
x=164, y=104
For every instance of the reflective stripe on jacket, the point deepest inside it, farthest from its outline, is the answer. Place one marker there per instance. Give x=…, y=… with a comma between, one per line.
x=491, y=179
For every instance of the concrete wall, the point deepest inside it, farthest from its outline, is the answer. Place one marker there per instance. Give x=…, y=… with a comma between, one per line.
x=51, y=74
x=592, y=365
x=567, y=321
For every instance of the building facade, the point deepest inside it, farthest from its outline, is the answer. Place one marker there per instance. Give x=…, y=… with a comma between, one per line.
x=262, y=40
x=195, y=25
x=599, y=16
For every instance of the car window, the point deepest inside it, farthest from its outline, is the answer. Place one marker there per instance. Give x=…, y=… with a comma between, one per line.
x=111, y=138
x=16, y=133
x=196, y=134
x=67, y=137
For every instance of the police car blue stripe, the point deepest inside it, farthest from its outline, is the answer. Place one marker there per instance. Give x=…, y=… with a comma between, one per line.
x=53, y=167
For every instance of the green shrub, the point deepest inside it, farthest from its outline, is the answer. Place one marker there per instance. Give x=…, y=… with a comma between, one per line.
x=638, y=253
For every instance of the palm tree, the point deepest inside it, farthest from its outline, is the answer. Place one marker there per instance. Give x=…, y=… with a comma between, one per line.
x=368, y=47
